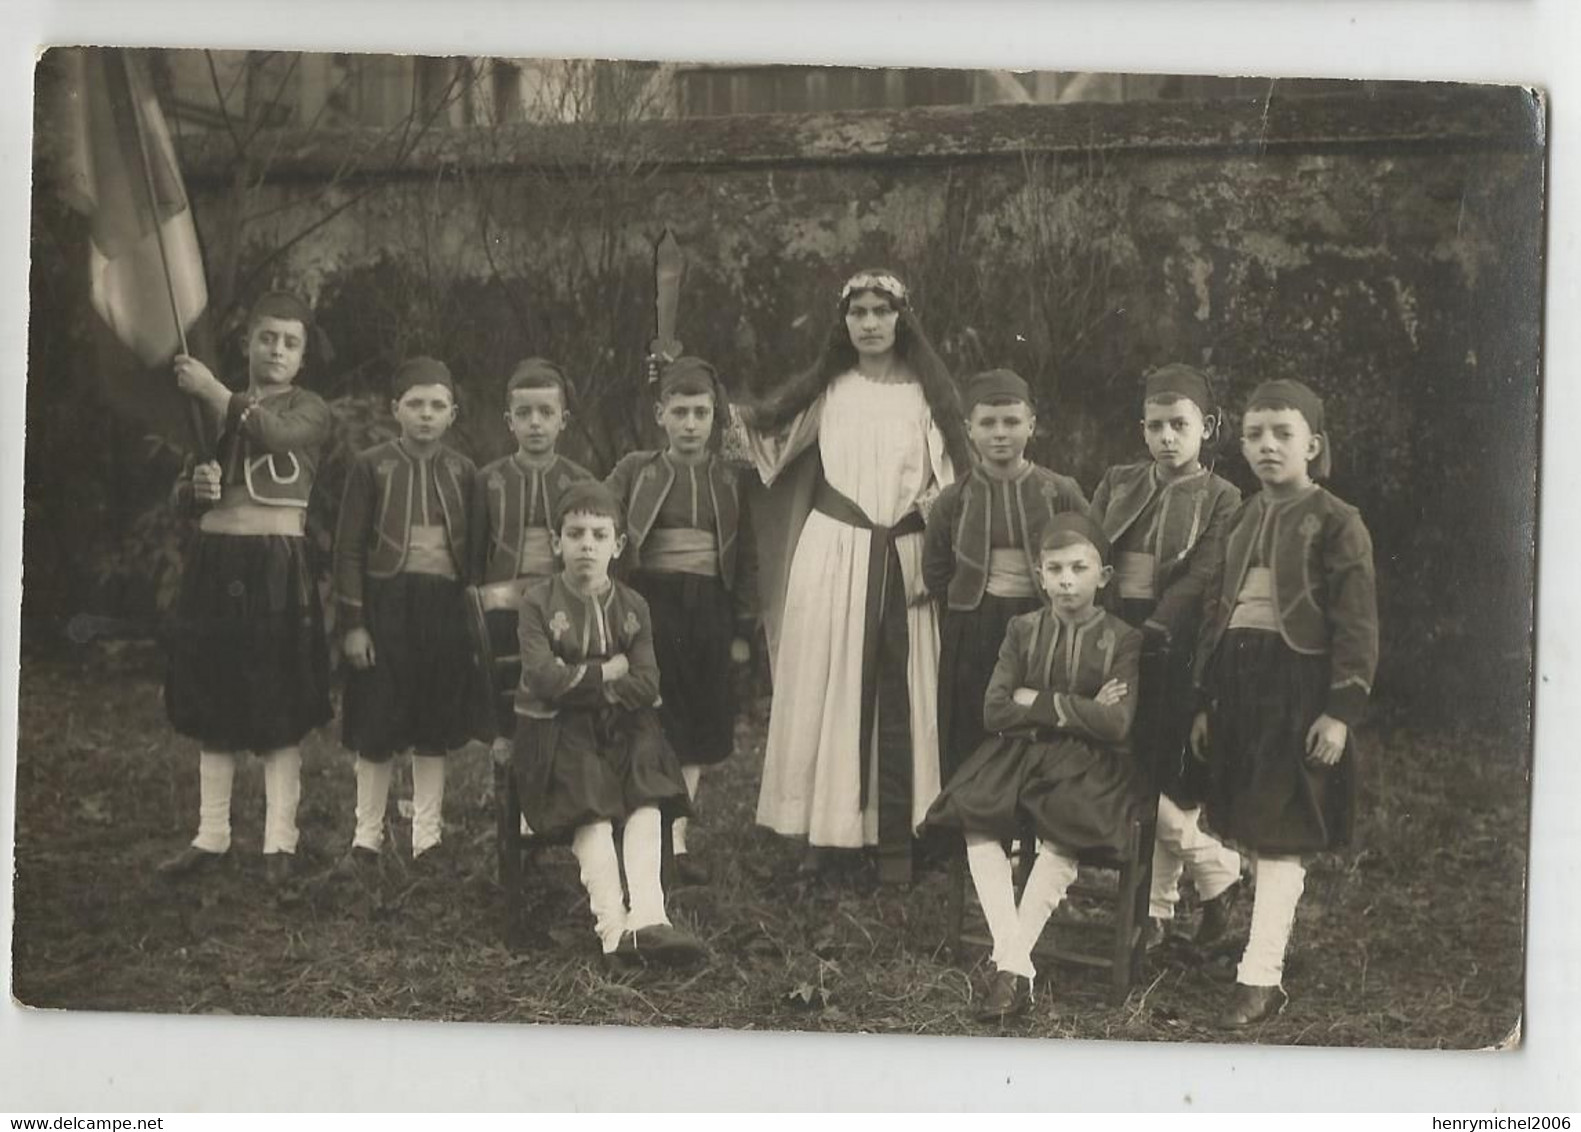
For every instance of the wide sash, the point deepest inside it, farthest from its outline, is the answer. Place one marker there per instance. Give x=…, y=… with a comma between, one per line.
x=886, y=694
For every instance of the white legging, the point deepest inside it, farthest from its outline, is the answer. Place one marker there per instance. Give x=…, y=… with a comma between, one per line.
x=594, y=848
x=282, y=775
x=693, y=776
x=428, y=802
x=1280, y=881
x=1181, y=845
x=1016, y=929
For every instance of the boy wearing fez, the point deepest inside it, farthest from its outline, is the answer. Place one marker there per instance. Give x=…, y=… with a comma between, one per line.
x=249, y=665
x=692, y=555
x=400, y=568
x=1167, y=517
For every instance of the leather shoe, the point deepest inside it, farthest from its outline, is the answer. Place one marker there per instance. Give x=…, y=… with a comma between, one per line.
x=433, y=861
x=1215, y=922
x=360, y=864
x=1252, y=1005
x=659, y=943
x=894, y=867
x=1157, y=931
x=1009, y=996
x=278, y=868
x=190, y=862
x=689, y=871
x=814, y=862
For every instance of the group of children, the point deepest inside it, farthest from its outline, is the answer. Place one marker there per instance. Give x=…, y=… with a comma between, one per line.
x=1164, y=642
x=1186, y=647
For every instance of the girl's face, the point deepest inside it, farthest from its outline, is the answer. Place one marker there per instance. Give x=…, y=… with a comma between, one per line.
x=424, y=412
x=870, y=320
x=1001, y=432
x=275, y=348
x=1174, y=434
x=536, y=417
x=1278, y=444
x=688, y=420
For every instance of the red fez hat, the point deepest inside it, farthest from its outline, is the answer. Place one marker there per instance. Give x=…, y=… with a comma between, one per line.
x=587, y=497
x=688, y=375
x=996, y=385
x=1067, y=528
x=536, y=373
x=1289, y=394
x=421, y=370
x=1177, y=380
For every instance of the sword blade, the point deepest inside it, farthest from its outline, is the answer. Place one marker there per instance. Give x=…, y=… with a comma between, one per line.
x=669, y=265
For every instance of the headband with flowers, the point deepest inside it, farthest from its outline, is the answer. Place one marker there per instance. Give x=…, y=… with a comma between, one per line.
x=868, y=281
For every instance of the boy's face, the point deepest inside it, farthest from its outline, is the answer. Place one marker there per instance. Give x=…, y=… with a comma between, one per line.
x=688, y=420
x=586, y=544
x=1072, y=577
x=424, y=412
x=1001, y=432
x=1174, y=433
x=274, y=350
x=1278, y=443
x=870, y=320
x=535, y=418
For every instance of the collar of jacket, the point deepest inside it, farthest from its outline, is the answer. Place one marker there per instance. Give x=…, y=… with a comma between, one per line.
x=1059, y=648
x=283, y=479
x=608, y=625
x=973, y=534
x=396, y=470
x=651, y=486
x=505, y=490
x=1134, y=486
x=1295, y=525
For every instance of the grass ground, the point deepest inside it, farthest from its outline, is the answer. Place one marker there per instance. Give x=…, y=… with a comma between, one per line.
x=1414, y=939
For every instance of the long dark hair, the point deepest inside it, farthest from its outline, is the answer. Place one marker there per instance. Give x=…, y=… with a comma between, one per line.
x=780, y=406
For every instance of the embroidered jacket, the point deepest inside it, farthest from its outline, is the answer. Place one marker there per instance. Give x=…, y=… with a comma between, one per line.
x=1193, y=518
x=1324, y=590
x=510, y=499
x=376, y=515
x=565, y=638
x=955, y=550
x=270, y=444
x=1067, y=666
x=642, y=481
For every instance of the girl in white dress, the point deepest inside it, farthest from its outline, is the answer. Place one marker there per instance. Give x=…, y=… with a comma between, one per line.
x=853, y=756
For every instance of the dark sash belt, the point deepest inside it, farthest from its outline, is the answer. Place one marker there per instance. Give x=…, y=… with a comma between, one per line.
x=886, y=647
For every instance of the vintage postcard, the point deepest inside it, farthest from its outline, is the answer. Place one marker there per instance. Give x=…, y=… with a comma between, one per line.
x=818, y=548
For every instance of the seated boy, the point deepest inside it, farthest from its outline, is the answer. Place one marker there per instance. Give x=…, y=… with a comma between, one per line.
x=1060, y=705
x=589, y=751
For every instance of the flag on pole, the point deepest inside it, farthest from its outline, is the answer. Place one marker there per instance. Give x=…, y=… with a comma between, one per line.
x=120, y=171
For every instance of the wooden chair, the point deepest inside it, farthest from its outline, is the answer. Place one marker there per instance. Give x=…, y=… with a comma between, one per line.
x=491, y=622
x=1127, y=901
x=491, y=618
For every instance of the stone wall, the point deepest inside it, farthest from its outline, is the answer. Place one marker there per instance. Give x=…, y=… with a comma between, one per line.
x=1386, y=248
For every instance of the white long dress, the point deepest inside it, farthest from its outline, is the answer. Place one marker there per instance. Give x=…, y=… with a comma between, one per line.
x=880, y=449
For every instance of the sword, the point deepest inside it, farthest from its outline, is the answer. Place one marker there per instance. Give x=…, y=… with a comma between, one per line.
x=669, y=265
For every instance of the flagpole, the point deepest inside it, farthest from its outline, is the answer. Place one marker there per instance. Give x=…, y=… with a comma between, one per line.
x=194, y=409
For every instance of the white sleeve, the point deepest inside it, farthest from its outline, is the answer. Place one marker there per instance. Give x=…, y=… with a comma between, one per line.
x=770, y=452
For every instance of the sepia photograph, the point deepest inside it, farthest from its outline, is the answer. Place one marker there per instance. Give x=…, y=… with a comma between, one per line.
x=865, y=550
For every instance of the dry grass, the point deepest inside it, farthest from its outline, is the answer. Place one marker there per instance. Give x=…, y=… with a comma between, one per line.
x=1413, y=940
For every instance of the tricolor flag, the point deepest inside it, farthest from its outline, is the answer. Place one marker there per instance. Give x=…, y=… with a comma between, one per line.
x=121, y=172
